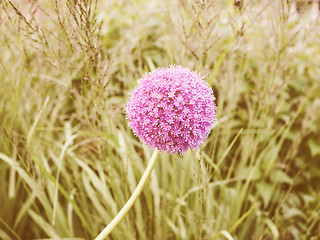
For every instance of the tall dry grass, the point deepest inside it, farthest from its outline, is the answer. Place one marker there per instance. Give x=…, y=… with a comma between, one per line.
x=69, y=161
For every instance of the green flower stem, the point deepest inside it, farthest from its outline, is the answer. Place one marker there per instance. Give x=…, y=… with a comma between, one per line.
x=115, y=221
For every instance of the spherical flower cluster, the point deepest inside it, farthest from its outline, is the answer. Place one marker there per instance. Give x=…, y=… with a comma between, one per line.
x=171, y=109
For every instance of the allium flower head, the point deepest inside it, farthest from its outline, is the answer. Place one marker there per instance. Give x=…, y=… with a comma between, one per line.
x=171, y=109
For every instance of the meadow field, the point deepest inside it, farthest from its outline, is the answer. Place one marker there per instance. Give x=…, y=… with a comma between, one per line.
x=69, y=161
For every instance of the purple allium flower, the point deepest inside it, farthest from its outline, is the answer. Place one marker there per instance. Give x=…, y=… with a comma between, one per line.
x=171, y=109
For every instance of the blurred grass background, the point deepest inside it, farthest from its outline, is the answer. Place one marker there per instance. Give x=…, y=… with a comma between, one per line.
x=69, y=162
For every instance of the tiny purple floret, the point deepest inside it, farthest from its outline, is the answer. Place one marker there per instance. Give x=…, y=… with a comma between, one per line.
x=172, y=109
